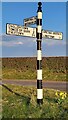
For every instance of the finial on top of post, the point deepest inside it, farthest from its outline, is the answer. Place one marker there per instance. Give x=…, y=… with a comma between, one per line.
x=39, y=7
x=39, y=3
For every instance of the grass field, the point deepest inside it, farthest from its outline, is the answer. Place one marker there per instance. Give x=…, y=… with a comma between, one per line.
x=20, y=102
x=54, y=68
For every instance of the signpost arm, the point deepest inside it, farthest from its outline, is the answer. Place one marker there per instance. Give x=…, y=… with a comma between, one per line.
x=39, y=55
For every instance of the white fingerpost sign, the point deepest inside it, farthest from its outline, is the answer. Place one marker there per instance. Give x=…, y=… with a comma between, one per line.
x=31, y=20
x=13, y=29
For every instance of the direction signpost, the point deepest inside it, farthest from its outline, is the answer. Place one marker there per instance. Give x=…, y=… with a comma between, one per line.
x=31, y=20
x=13, y=29
x=39, y=33
x=51, y=35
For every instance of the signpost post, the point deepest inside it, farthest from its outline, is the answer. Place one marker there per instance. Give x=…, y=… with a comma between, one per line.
x=39, y=55
x=13, y=29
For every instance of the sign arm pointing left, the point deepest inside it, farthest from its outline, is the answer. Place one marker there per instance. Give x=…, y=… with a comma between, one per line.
x=13, y=29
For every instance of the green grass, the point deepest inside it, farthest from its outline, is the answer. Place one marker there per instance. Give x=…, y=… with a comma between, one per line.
x=21, y=103
x=15, y=74
x=29, y=74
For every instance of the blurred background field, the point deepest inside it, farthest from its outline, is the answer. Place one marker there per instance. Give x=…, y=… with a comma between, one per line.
x=54, y=68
